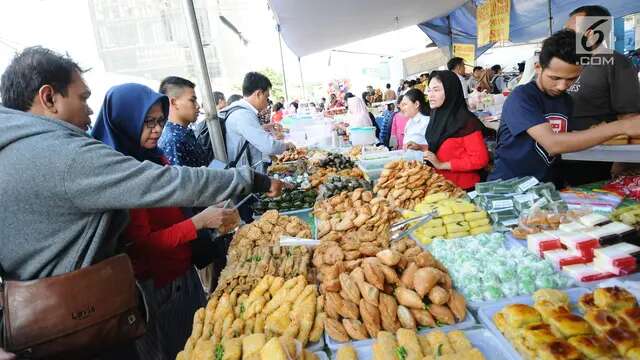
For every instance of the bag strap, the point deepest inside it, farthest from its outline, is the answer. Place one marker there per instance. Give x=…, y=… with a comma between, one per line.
x=245, y=145
x=235, y=161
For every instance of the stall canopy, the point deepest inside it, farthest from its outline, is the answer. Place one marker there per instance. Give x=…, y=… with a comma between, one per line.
x=529, y=20
x=312, y=26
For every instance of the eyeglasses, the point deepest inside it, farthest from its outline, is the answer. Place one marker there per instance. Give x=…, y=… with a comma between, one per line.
x=152, y=123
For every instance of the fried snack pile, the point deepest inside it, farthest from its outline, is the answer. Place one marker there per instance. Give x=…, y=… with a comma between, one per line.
x=254, y=253
x=608, y=327
x=248, y=265
x=292, y=155
x=353, y=211
x=406, y=183
x=267, y=231
x=274, y=309
x=320, y=175
x=400, y=287
x=406, y=344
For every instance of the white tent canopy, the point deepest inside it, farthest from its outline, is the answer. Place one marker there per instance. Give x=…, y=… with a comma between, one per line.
x=310, y=26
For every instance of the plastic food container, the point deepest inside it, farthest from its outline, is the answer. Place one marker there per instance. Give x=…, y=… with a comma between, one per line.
x=321, y=355
x=481, y=339
x=305, y=214
x=363, y=135
x=316, y=346
x=485, y=315
x=468, y=322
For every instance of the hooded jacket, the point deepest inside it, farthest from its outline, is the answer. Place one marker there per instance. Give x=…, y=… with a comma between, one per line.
x=64, y=194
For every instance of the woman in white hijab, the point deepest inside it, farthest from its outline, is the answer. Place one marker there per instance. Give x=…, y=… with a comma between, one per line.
x=358, y=115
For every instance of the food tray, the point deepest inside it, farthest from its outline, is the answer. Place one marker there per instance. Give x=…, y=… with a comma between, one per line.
x=371, y=175
x=485, y=315
x=509, y=243
x=591, y=284
x=475, y=305
x=513, y=239
x=468, y=322
x=304, y=214
x=594, y=284
x=316, y=346
x=480, y=338
x=321, y=355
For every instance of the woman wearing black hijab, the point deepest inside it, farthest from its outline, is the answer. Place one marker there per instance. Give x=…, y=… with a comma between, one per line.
x=455, y=147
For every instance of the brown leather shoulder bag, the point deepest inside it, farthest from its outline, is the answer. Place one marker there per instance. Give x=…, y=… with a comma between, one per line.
x=83, y=312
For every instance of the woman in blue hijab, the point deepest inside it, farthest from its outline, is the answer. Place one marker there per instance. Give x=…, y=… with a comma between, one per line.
x=127, y=108
x=159, y=240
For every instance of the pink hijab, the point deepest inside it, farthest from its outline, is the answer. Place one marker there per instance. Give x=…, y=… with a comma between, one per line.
x=358, y=115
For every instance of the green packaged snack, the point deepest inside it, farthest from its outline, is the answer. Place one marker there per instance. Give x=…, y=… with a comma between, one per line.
x=522, y=185
x=486, y=187
x=504, y=215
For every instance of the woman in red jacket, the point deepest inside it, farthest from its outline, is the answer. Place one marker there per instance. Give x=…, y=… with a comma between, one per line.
x=158, y=240
x=455, y=147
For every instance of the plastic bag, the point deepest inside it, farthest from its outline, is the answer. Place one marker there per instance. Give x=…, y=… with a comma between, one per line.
x=628, y=186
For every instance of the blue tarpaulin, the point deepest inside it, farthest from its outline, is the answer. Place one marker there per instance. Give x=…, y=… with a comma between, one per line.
x=529, y=20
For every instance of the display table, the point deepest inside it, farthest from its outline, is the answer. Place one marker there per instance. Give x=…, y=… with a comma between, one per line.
x=617, y=153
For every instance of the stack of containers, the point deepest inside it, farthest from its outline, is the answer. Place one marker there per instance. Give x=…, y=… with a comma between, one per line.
x=590, y=249
x=505, y=200
x=372, y=164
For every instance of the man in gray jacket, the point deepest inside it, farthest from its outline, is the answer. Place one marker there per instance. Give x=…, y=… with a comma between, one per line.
x=64, y=195
x=243, y=124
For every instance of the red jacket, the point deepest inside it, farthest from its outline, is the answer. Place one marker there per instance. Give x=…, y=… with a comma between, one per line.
x=467, y=155
x=160, y=243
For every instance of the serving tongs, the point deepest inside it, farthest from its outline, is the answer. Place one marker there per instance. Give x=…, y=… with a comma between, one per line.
x=397, y=231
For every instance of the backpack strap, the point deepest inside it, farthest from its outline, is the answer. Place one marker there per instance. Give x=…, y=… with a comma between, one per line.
x=202, y=133
x=245, y=145
x=235, y=161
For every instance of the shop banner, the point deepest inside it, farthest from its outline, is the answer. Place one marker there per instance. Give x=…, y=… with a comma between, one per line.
x=467, y=52
x=483, y=19
x=493, y=21
x=424, y=62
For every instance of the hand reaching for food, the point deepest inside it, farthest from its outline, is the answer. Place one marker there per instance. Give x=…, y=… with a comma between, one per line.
x=216, y=218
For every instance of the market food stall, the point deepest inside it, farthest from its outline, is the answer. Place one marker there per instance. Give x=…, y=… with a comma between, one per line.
x=375, y=255
x=329, y=270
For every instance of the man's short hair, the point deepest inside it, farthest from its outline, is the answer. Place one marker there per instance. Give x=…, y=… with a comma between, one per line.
x=173, y=86
x=388, y=86
x=496, y=68
x=254, y=81
x=218, y=96
x=477, y=68
x=233, y=98
x=561, y=45
x=454, y=62
x=32, y=69
x=591, y=10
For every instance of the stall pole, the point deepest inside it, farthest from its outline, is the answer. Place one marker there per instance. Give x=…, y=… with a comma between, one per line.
x=284, y=75
x=211, y=118
x=550, y=18
x=304, y=95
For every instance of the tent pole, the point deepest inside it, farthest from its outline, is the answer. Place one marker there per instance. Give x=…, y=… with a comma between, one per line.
x=215, y=132
x=550, y=18
x=284, y=75
x=304, y=95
